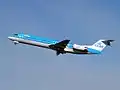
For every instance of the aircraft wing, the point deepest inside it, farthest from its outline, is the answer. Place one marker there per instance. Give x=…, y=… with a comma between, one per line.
x=59, y=47
x=62, y=44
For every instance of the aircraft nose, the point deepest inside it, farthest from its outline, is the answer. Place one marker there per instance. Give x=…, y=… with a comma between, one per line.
x=10, y=38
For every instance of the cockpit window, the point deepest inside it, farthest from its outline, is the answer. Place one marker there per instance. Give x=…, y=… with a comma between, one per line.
x=15, y=34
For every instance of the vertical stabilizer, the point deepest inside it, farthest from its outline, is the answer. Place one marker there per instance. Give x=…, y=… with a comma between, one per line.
x=101, y=44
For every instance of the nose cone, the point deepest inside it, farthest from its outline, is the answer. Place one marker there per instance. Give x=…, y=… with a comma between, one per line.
x=10, y=38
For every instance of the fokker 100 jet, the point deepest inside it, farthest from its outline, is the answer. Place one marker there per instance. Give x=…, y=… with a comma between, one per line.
x=61, y=47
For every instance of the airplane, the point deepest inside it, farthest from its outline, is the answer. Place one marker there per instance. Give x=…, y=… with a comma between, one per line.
x=61, y=47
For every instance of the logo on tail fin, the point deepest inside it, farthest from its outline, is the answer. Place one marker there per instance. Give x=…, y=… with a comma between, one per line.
x=99, y=45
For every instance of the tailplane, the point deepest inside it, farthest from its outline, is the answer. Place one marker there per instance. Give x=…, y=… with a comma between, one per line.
x=101, y=44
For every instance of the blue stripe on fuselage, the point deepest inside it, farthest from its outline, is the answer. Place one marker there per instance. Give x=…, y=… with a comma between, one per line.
x=39, y=39
x=90, y=50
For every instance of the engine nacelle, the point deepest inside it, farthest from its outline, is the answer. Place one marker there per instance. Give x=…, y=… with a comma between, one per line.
x=79, y=47
x=15, y=42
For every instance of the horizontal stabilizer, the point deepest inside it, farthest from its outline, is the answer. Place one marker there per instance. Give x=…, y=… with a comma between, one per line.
x=108, y=42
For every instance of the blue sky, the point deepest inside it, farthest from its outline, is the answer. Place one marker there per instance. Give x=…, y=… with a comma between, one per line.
x=82, y=21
